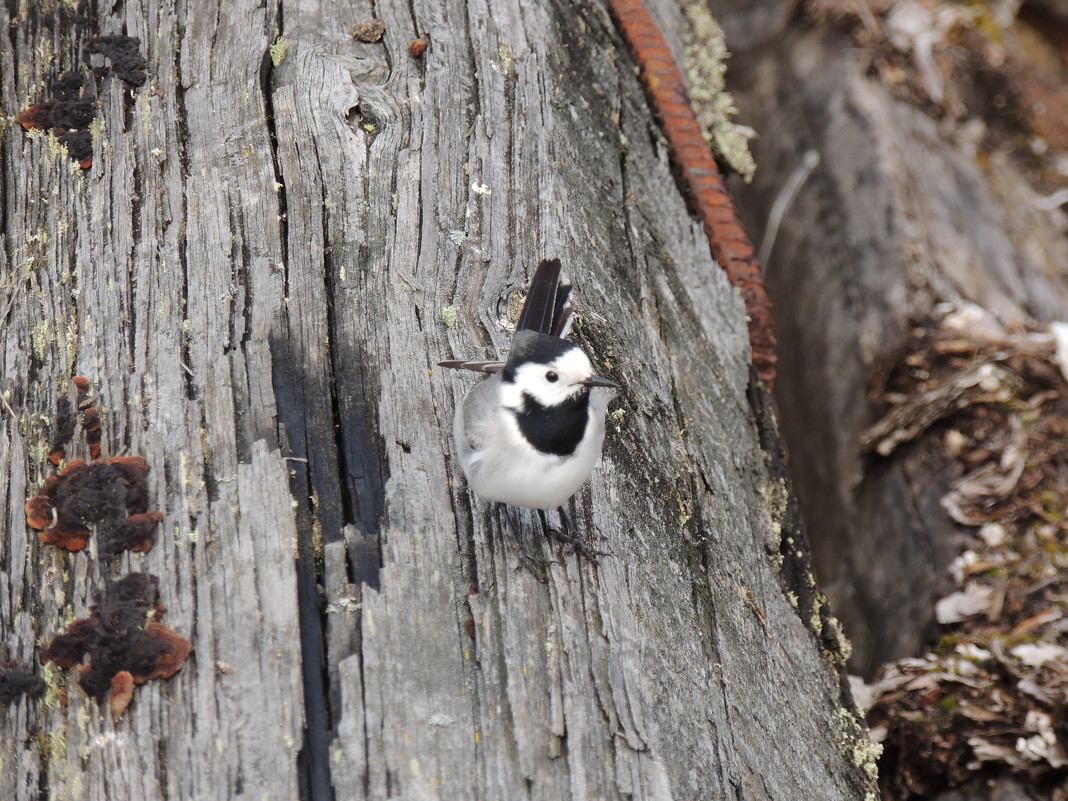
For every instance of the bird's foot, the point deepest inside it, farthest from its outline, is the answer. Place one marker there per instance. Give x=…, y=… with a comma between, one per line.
x=577, y=543
x=562, y=535
x=538, y=568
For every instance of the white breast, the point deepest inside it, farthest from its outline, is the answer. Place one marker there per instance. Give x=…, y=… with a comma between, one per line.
x=501, y=465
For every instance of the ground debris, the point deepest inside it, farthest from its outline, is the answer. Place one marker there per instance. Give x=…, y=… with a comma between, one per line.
x=962, y=63
x=988, y=697
x=370, y=31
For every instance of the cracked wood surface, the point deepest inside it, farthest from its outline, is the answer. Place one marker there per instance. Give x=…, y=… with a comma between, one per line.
x=253, y=275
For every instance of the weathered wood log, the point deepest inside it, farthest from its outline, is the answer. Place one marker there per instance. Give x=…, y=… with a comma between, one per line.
x=253, y=273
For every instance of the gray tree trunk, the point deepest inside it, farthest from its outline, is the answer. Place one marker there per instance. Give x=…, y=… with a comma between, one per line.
x=253, y=274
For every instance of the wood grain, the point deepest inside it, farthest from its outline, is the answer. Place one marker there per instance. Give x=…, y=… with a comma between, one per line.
x=254, y=272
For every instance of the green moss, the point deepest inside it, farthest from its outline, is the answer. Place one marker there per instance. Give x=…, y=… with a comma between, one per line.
x=705, y=66
x=56, y=746
x=845, y=647
x=82, y=722
x=946, y=644
x=685, y=511
x=96, y=129
x=853, y=738
x=278, y=50
x=504, y=53
x=57, y=150
x=146, y=116
x=56, y=680
x=41, y=339
x=984, y=22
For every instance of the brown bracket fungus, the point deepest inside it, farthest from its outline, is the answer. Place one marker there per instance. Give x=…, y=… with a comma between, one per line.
x=17, y=682
x=111, y=494
x=70, y=111
x=118, y=637
x=67, y=115
x=127, y=63
x=67, y=409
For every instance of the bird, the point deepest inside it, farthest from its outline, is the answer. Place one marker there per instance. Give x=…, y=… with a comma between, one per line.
x=531, y=433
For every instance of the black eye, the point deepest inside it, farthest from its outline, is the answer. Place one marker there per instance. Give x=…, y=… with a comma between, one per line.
x=552, y=377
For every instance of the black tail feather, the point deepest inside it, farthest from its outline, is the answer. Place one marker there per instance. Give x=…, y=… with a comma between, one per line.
x=545, y=309
x=562, y=312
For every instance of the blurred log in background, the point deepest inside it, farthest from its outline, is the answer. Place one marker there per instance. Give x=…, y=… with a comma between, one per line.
x=276, y=231
x=915, y=273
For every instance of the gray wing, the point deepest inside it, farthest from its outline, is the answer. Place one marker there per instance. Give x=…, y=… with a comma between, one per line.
x=478, y=367
x=478, y=419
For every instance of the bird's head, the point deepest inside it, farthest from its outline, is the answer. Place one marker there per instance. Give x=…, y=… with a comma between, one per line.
x=548, y=369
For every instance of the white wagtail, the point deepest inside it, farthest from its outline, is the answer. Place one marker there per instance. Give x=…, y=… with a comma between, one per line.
x=531, y=434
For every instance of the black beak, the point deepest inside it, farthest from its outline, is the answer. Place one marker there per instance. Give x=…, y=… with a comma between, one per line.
x=597, y=381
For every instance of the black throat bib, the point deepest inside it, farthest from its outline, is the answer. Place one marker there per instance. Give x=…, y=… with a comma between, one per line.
x=556, y=430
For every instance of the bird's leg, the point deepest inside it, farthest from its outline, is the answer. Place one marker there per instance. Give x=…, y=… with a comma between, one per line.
x=575, y=540
x=536, y=567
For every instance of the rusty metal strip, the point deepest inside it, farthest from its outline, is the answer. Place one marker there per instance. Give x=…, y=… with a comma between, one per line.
x=699, y=172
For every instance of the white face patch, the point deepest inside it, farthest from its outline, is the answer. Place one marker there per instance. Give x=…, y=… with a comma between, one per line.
x=534, y=379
